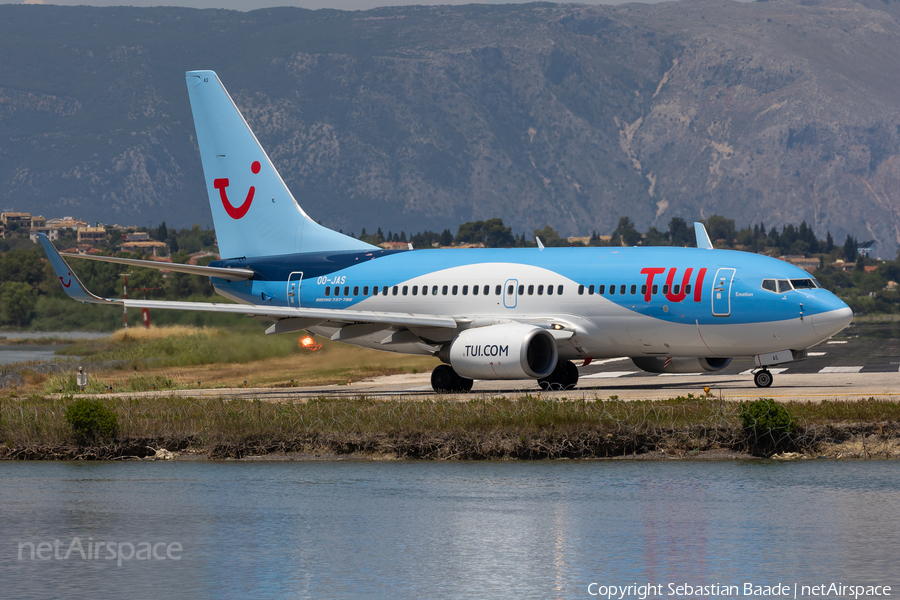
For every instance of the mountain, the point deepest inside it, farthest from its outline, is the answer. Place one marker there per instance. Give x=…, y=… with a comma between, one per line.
x=425, y=117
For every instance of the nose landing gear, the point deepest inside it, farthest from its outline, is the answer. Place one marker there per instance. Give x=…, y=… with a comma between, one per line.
x=762, y=378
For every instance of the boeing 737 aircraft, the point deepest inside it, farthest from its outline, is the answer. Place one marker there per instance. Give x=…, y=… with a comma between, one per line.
x=486, y=313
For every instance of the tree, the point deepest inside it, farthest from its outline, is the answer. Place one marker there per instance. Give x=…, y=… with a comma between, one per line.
x=162, y=232
x=850, y=249
x=496, y=235
x=18, y=300
x=446, y=238
x=470, y=233
x=720, y=228
x=626, y=233
x=679, y=234
x=549, y=237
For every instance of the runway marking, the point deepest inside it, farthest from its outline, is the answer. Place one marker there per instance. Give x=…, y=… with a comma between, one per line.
x=421, y=388
x=838, y=342
x=841, y=370
x=607, y=375
x=817, y=354
x=774, y=371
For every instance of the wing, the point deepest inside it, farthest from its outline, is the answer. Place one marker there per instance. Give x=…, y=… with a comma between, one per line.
x=75, y=289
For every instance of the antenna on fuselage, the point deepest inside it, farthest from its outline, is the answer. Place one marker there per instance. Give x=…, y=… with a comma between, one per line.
x=702, y=237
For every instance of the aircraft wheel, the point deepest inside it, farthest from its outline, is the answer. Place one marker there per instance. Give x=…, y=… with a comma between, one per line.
x=563, y=377
x=444, y=380
x=762, y=378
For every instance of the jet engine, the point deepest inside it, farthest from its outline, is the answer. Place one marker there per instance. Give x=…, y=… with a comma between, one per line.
x=680, y=364
x=506, y=351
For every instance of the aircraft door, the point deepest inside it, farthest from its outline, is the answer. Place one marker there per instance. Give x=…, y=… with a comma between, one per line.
x=293, y=288
x=510, y=293
x=721, y=293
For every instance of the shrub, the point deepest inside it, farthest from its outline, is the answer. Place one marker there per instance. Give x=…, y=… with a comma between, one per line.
x=765, y=417
x=91, y=420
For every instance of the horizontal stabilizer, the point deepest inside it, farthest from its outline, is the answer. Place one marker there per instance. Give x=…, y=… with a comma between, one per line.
x=220, y=272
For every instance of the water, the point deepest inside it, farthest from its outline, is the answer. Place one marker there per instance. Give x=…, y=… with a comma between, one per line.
x=15, y=354
x=447, y=530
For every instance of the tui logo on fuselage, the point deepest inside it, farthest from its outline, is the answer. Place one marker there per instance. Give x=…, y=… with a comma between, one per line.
x=240, y=211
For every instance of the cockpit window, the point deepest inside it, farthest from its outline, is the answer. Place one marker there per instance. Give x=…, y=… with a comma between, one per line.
x=784, y=285
x=769, y=284
x=804, y=284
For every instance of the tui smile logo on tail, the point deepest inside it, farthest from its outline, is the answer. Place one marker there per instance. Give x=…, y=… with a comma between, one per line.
x=64, y=284
x=240, y=211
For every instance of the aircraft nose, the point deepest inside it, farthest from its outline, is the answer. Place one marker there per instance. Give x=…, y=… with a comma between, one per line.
x=826, y=324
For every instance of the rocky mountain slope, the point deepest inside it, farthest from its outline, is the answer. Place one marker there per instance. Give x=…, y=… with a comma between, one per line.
x=425, y=117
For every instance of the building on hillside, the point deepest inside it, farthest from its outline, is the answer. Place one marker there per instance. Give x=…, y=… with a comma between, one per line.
x=154, y=248
x=52, y=234
x=137, y=236
x=807, y=264
x=91, y=234
x=586, y=240
x=394, y=245
x=66, y=223
x=16, y=219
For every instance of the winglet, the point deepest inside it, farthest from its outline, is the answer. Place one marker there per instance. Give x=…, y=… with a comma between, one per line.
x=540, y=244
x=702, y=237
x=70, y=283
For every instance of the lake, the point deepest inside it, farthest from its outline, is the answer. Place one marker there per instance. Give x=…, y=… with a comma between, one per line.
x=348, y=529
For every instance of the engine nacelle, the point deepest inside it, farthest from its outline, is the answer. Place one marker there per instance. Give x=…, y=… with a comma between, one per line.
x=680, y=364
x=507, y=351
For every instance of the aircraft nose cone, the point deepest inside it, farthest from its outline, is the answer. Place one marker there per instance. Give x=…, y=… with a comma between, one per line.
x=829, y=323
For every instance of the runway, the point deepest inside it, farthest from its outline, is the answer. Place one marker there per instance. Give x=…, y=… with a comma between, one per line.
x=863, y=362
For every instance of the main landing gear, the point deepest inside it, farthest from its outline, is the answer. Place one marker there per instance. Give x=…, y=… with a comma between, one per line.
x=563, y=377
x=762, y=378
x=444, y=380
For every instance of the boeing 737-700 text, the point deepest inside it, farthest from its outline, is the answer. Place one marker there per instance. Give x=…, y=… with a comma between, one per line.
x=486, y=313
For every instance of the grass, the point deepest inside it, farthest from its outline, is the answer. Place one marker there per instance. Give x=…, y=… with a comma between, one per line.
x=528, y=426
x=178, y=357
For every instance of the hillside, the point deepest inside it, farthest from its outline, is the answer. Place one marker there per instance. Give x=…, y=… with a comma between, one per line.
x=425, y=117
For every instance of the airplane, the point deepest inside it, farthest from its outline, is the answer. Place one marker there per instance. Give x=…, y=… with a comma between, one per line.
x=488, y=314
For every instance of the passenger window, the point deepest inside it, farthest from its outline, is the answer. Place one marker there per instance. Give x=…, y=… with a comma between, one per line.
x=655, y=289
x=521, y=289
x=622, y=289
x=474, y=290
x=434, y=290
x=346, y=290
x=509, y=290
x=454, y=290
x=784, y=286
x=365, y=290
x=415, y=290
x=644, y=290
x=444, y=290
x=540, y=290
x=633, y=289
x=559, y=290
x=374, y=290
x=676, y=289
x=531, y=290
x=356, y=290
x=384, y=291
x=666, y=289
x=687, y=289
x=612, y=290
x=396, y=290
x=328, y=291
x=590, y=290
x=549, y=290
x=487, y=290
x=405, y=289
x=465, y=290
x=580, y=290
x=498, y=288
x=602, y=289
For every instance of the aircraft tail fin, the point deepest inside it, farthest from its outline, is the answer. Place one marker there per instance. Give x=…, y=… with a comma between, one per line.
x=253, y=211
